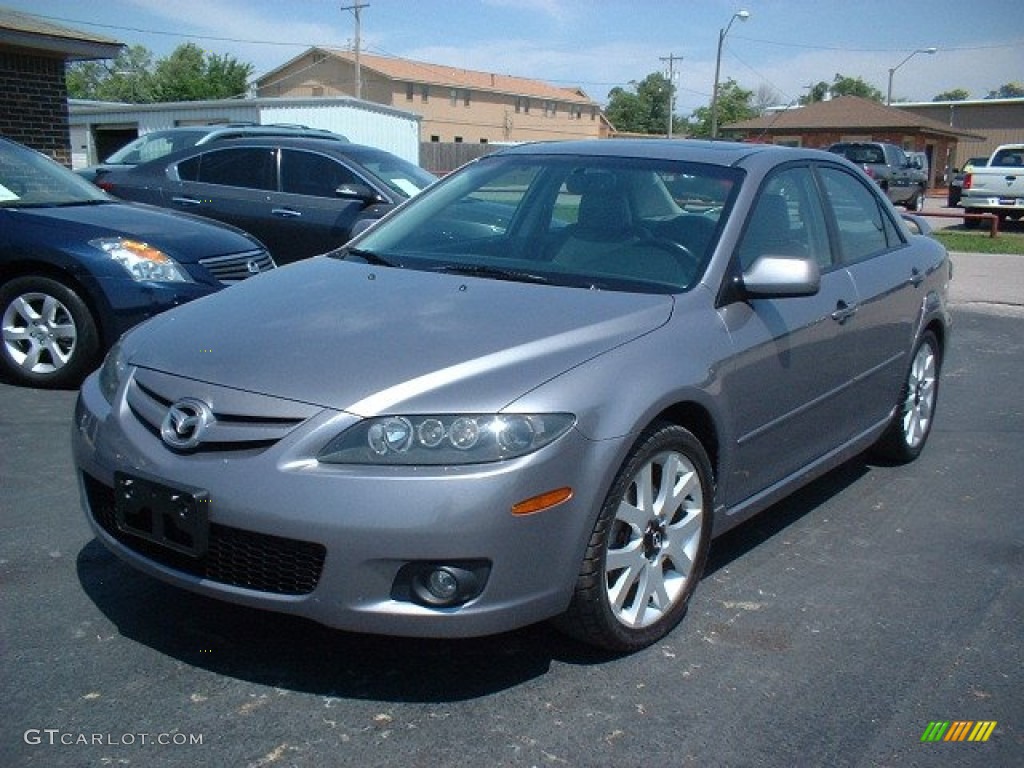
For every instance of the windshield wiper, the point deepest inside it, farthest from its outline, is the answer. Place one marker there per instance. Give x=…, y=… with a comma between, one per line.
x=370, y=257
x=496, y=273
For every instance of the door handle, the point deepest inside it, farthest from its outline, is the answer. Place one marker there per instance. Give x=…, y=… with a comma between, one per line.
x=286, y=213
x=188, y=201
x=916, y=278
x=843, y=312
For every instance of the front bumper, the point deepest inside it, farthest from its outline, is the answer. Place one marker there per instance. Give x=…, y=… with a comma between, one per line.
x=334, y=543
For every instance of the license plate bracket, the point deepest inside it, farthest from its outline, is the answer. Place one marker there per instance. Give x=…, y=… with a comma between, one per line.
x=175, y=518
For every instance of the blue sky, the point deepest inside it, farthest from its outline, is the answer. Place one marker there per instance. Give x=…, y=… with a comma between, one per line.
x=785, y=45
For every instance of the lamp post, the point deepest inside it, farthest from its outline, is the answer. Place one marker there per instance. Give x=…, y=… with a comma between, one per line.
x=742, y=16
x=888, y=95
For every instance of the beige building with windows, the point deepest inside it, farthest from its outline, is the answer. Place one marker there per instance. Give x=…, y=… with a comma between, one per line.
x=457, y=105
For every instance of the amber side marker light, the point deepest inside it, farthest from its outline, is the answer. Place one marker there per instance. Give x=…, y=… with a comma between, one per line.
x=542, y=502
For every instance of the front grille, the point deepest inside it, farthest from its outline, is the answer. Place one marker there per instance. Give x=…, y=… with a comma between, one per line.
x=236, y=267
x=234, y=556
x=250, y=429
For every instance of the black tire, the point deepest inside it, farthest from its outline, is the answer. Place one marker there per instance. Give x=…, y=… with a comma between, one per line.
x=49, y=336
x=904, y=438
x=971, y=223
x=664, y=544
x=916, y=203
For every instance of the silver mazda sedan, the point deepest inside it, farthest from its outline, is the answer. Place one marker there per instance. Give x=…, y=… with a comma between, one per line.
x=535, y=391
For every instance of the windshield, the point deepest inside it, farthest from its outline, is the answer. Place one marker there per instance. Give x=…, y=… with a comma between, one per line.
x=399, y=175
x=150, y=146
x=593, y=222
x=28, y=178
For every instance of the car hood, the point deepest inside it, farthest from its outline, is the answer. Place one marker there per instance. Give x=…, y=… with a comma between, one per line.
x=370, y=340
x=185, y=238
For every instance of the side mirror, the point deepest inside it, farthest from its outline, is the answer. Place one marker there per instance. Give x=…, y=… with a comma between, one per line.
x=356, y=191
x=772, y=277
x=917, y=225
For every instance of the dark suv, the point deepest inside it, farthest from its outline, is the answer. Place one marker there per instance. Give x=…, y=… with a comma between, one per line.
x=298, y=196
x=156, y=144
x=890, y=167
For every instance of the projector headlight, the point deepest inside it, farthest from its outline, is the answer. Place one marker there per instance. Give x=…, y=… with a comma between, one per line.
x=445, y=439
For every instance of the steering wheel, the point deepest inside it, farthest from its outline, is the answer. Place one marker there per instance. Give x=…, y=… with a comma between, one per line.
x=680, y=252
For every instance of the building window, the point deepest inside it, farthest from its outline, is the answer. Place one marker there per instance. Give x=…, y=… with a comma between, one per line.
x=424, y=93
x=435, y=139
x=522, y=104
x=593, y=113
x=410, y=91
x=458, y=139
x=465, y=97
x=318, y=90
x=483, y=141
x=454, y=94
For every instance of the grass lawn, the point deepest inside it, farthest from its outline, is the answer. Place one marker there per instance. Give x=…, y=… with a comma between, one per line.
x=978, y=241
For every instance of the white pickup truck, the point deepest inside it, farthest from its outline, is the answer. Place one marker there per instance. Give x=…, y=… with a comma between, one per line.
x=997, y=188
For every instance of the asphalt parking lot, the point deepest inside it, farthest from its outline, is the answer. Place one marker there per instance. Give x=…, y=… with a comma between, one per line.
x=831, y=630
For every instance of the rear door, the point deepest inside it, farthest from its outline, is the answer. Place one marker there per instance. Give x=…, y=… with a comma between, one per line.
x=232, y=185
x=889, y=275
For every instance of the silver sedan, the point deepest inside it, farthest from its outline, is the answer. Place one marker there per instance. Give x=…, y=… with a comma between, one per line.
x=536, y=391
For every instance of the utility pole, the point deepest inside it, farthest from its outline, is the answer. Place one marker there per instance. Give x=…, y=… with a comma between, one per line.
x=671, y=59
x=356, y=8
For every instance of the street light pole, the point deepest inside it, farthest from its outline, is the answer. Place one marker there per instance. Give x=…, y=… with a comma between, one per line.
x=742, y=16
x=888, y=95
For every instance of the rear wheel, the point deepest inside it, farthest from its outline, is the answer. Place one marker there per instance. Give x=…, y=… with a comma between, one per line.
x=911, y=424
x=649, y=544
x=49, y=337
x=971, y=223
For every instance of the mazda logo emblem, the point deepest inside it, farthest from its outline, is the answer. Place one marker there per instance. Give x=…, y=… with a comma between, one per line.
x=185, y=424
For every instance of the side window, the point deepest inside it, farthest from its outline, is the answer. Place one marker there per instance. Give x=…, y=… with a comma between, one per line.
x=188, y=170
x=787, y=220
x=308, y=173
x=250, y=168
x=864, y=229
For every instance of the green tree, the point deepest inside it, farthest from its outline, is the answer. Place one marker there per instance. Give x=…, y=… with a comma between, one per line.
x=734, y=104
x=842, y=85
x=957, y=94
x=188, y=74
x=128, y=78
x=643, y=107
x=1007, y=91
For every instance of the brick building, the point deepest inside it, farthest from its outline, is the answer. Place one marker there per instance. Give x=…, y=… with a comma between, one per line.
x=33, y=93
x=851, y=118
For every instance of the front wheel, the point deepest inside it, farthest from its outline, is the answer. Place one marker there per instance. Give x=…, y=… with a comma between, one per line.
x=648, y=547
x=911, y=424
x=49, y=337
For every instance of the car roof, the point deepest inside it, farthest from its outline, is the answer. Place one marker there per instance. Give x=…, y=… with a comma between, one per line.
x=301, y=142
x=725, y=153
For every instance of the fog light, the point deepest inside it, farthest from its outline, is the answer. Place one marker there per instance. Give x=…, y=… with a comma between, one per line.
x=443, y=584
x=440, y=585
